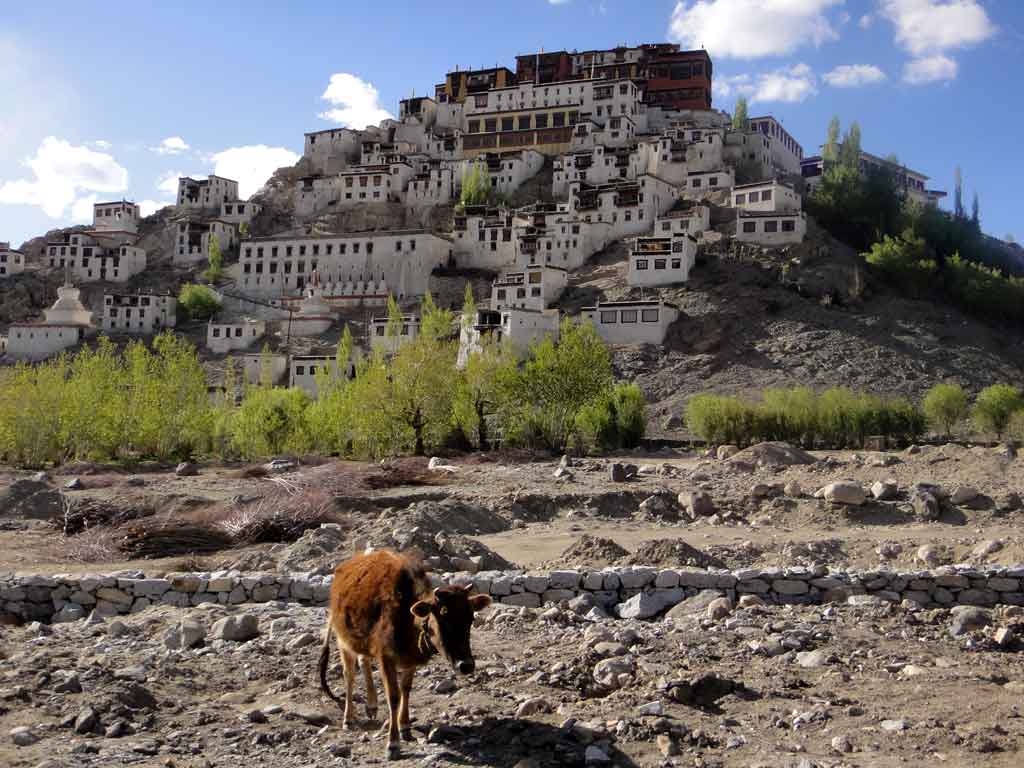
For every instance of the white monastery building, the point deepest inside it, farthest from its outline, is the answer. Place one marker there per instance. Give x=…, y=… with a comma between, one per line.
x=228, y=336
x=655, y=261
x=143, y=313
x=66, y=323
x=766, y=197
x=11, y=262
x=632, y=322
x=206, y=194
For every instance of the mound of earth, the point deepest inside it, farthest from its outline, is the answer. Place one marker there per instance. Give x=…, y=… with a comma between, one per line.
x=670, y=553
x=593, y=550
x=773, y=455
x=30, y=499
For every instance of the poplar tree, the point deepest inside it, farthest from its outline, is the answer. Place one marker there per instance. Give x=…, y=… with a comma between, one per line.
x=740, y=116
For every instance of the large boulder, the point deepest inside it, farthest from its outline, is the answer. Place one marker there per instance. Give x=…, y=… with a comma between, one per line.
x=649, y=603
x=849, y=493
x=236, y=628
x=697, y=503
x=774, y=454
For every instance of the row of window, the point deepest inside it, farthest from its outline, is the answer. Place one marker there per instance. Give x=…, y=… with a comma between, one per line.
x=520, y=293
x=659, y=263
x=612, y=316
x=524, y=122
x=770, y=225
x=753, y=197
x=328, y=249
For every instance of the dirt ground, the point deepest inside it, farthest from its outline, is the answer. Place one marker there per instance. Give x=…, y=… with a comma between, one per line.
x=836, y=686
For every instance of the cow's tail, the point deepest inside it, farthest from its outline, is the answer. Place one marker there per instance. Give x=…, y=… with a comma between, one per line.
x=325, y=658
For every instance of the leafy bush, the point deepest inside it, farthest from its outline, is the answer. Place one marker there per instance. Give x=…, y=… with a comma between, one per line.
x=198, y=301
x=476, y=185
x=945, y=406
x=614, y=420
x=994, y=407
x=215, y=270
x=270, y=422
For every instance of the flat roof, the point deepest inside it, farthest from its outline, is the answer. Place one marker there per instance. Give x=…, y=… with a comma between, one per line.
x=761, y=184
x=370, y=233
x=638, y=303
x=743, y=214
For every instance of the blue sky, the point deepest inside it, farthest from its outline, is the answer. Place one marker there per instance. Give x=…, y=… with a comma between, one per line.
x=97, y=108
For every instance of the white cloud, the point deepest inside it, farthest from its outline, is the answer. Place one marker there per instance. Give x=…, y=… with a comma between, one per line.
x=934, y=26
x=789, y=84
x=750, y=29
x=81, y=209
x=63, y=171
x=101, y=144
x=149, y=207
x=172, y=145
x=853, y=75
x=930, y=69
x=844, y=17
x=356, y=102
x=251, y=166
x=559, y=2
x=168, y=182
x=865, y=21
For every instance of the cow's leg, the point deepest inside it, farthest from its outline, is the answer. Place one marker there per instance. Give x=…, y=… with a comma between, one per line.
x=389, y=673
x=371, y=690
x=349, y=662
x=405, y=680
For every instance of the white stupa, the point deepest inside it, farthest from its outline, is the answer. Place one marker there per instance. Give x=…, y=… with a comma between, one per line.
x=314, y=315
x=68, y=309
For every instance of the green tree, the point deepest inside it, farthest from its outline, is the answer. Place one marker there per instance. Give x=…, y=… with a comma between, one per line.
x=541, y=400
x=478, y=388
x=958, y=193
x=420, y=390
x=976, y=212
x=476, y=184
x=830, y=150
x=243, y=230
x=270, y=422
x=945, y=406
x=740, y=117
x=994, y=407
x=393, y=329
x=435, y=323
x=903, y=258
x=849, y=152
x=616, y=419
x=215, y=270
x=198, y=302
x=468, y=306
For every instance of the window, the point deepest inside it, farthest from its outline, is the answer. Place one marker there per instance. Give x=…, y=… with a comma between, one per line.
x=398, y=245
x=789, y=226
x=524, y=122
x=749, y=226
x=558, y=119
x=659, y=263
x=695, y=183
x=677, y=263
x=713, y=181
x=379, y=330
x=507, y=123
x=609, y=316
x=491, y=125
x=666, y=226
x=766, y=195
x=641, y=263
x=216, y=333
x=629, y=315
x=649, y=315
x=741, y=199
x=238, y=332
x=771, y=226
x=542, y=121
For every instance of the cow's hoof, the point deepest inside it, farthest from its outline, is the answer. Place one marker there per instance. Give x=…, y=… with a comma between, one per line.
x=346, y=725
x=371, y=714
x=394, y=751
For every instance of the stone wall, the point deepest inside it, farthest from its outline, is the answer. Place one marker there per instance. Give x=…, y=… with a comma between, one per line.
x=633, y=592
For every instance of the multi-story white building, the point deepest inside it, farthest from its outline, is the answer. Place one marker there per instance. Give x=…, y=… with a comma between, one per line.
x=655, y=261
x=11, y=262
x=765, y=196
x=685, y=218
x=407, y=330
x=116, y=217
x=913, y=183
x=597, y=166
x=332, y=150
x=547, y=234
x=228, y=336
x=238, y=212
x=265, y=365
x=750, y=153
x=143, y=313
x=66, y=323
x=632, y=322
x=771, y=228
x=630, y=207
x=193, y=239
x=699, y=184
x=92, y=256
x=482, y=238
x=515, y=327
x=534, y=288
x=282, y=265
x=434, y=185
x=206, y=194
x=786, y=152
x=507, y=172
x=374, y=183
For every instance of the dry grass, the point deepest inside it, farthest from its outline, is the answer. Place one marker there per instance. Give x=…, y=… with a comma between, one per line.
x=84, y=514
x=284, y=516
x=92, y=546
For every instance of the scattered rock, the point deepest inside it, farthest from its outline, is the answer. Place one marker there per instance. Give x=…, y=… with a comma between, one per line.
x=74, y=484
x=86, y=721
x=963, y=494
x=236, y=628
x=967, y=618
x=851, y=494
x=842, y=745
x=697, y=503
x=894, y=726
x=23, y=736
x=775, y=454
x=719, y=608
x=885, y=490
x=186, y=469
x=726, y=452
x=985, y=548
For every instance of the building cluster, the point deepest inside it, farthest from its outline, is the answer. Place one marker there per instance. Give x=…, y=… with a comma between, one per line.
x=635, y=152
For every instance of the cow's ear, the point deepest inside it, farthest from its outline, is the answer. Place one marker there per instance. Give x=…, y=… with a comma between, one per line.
x=479, y=602
x=421, y=609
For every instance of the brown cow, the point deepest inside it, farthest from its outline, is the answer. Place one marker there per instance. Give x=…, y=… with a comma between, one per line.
x=382, y=608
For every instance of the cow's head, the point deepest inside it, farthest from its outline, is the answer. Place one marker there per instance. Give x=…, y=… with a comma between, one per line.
x=448, y=618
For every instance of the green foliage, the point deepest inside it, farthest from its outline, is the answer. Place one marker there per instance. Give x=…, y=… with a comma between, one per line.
x=830, y=150
x=476, y=185
x=740, y=117
x=616, y=419
x=478, y=389
x=857, y=208
x=270, y=422
x=1016, y=427
x=215, y=270
x=541, y=400
x=903, y=259
x=994, y=407
x=395, y=319
x=243, y=230
x=468, y=306
x=836, y=418
x=435, y=323
x=945, y=406
x=849, y=150
x=198, y=302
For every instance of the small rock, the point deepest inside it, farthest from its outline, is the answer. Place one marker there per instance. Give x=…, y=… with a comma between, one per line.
x=986, y=548
x=842, y=745
x=793, y=489
x=963, y=495
x=596, y=756
x=23, y=736
x=719, y=608
x=1005, y=637
x=86, y=721
x=117, y=628
x=533, y=706
x=726, y=452
x=70, y=684
x=236, y=628
x=306, y=638
x=751, y=601
x=813, y=659
x=667, y=745
x=885, y=490
x=968, y=618
x=653, y=709
x=894, y=726
x=186, y=469
x=74, y=484
x=850, y=494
